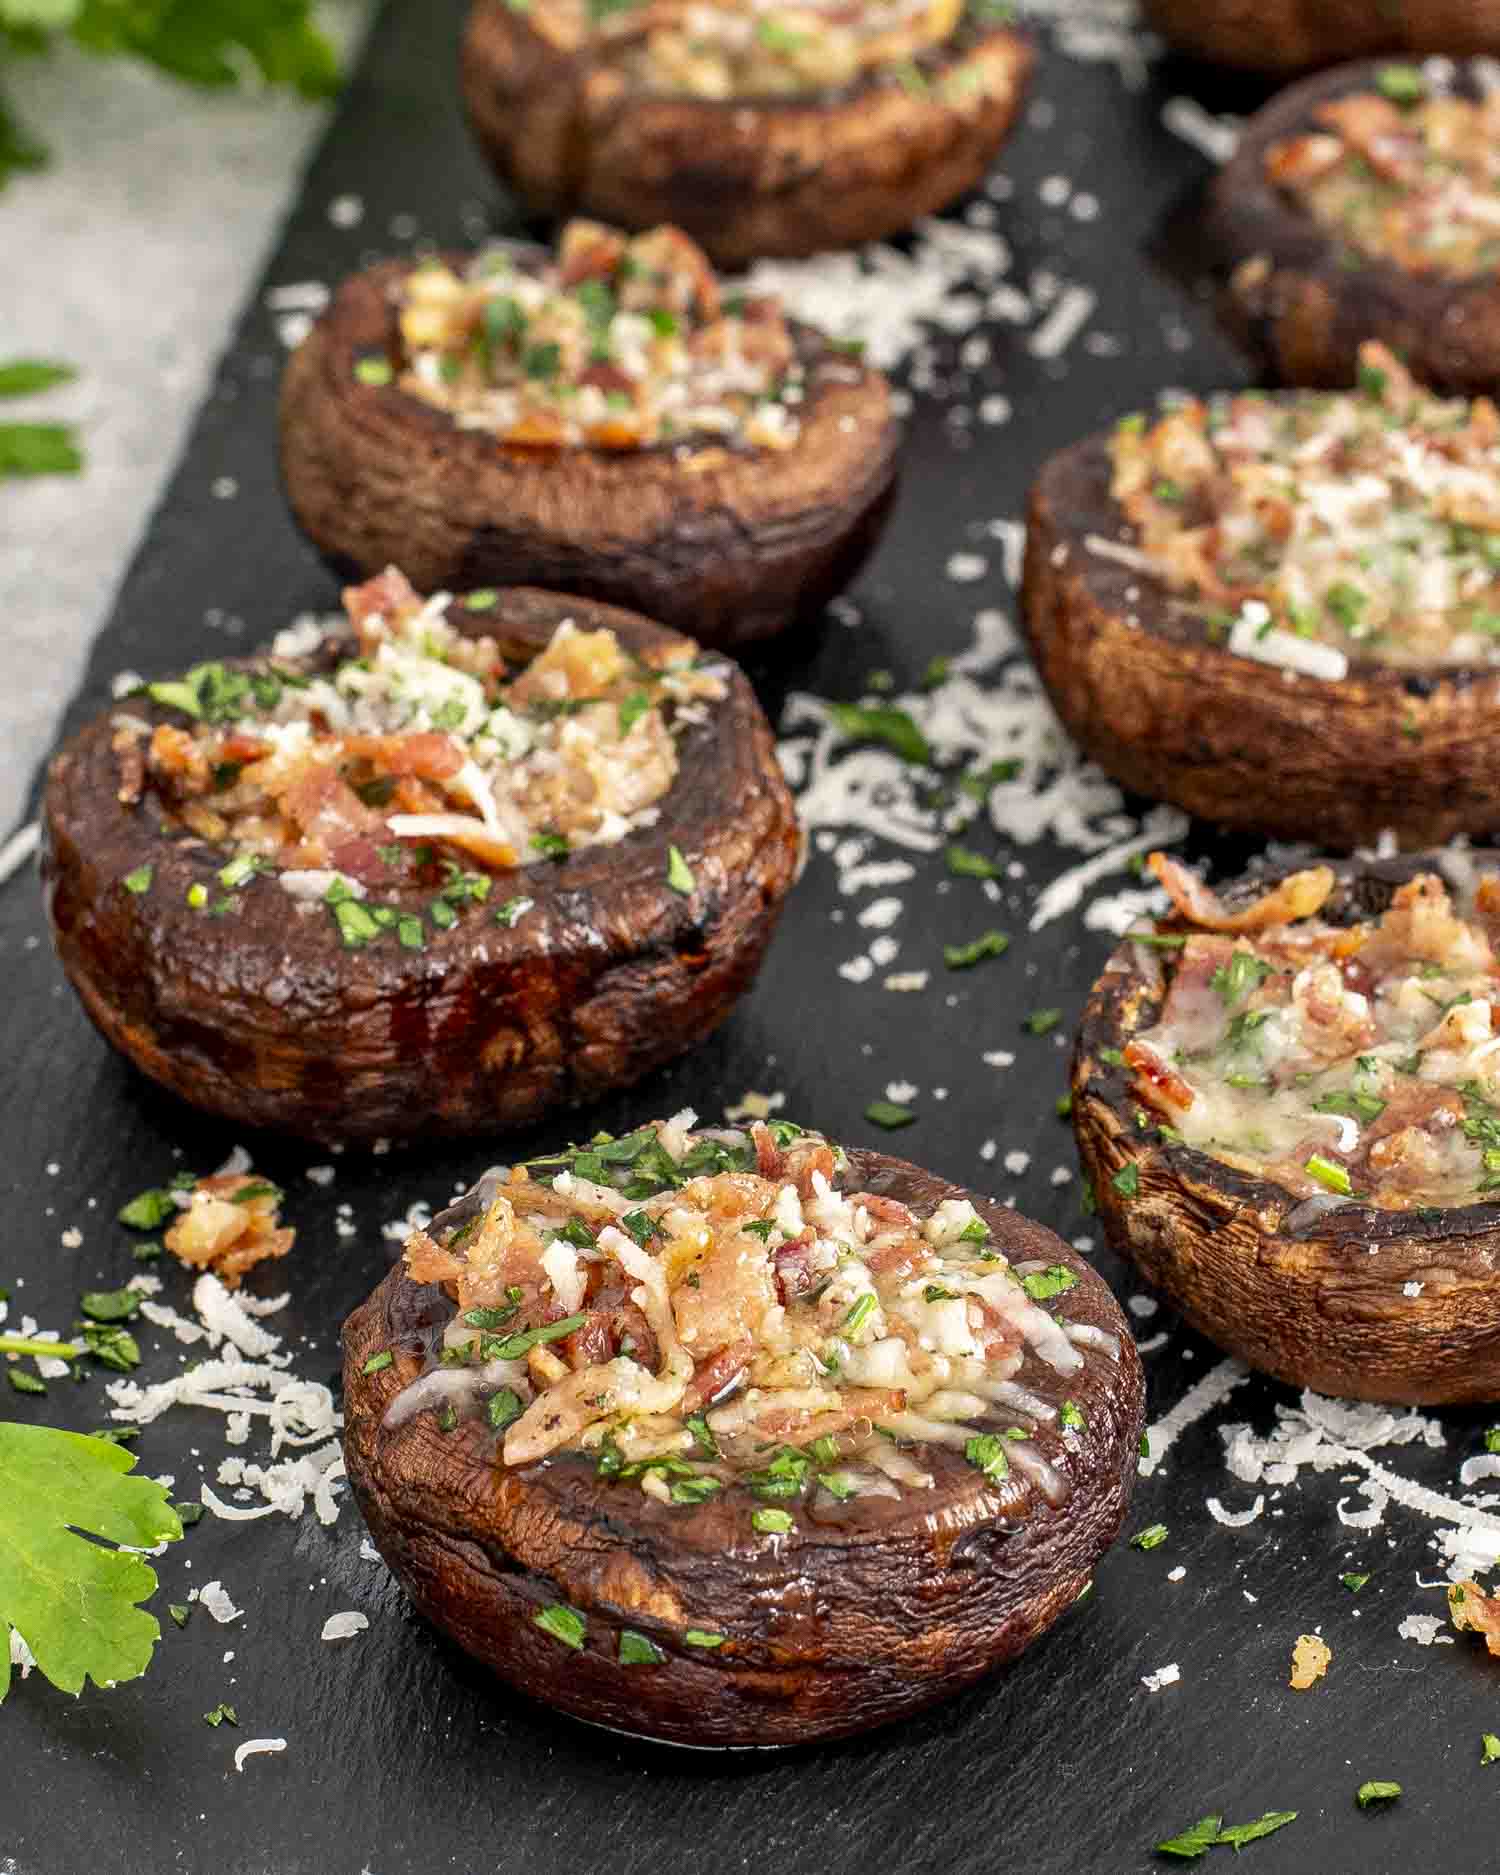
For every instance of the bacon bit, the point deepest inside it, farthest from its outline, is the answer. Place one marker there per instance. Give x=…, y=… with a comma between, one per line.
x=427, y=752
x=588, y=250
x=428, y=1262
x=801, y=1424
x=131, y=764
x=1157, y=1082
x=996, y=1334
x=795, y=1275
x=502, y=1254
x=1301, y=160
x=1420, y=922
x=227, y=1234
x=1300, y=895
x=1310, y=1658
x=389, y=595
x=1473, y=1612
x=903, y=1256
x=768, y=1156
x=1416, y=1104
x=176, y=757
x=712, y=1376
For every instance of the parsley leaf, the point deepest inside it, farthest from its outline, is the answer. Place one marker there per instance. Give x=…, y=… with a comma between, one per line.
x=1152, y=1537
x=563, y=1623
x=1195, y=1841
x=887, y=1114
x=1042, y=1285
x=73, y=1602
x=964, y=956
x=1267, y=1825
x=1491, y=1745
x=1377, y=1790
x=881, y=723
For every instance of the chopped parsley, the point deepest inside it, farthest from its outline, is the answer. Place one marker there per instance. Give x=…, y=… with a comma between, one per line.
x=965, y=956
x=503, y=1408
x=1042, y=1021
x=699, y=1637
x=767, y=1522
x=1490, y=1748
x=563, y=1623
x=881, y=723
x=140, y=880
x=378, y=1362
x=149, y=1210
x=1042, y=1285
x=966, y=864
x=1070, y=1417
x=1329, y=1174
x=1127, y=1181
x=635, y=1650
x=550, y=846
x=373, y=370
x=1152, y=1537
x=1354, y=1582
x=512, y=911
x=679, y=873
x=1244, y=972
x=1377, y=1790
x=987, y=1453
x=886, y=1113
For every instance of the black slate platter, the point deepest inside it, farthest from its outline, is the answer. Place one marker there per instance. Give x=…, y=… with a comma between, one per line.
x=401, y=1758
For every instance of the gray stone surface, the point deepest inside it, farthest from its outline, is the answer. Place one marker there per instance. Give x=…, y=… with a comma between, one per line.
x=129, y=259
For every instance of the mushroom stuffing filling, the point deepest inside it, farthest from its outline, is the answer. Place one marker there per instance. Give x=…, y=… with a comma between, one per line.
x=1356, y=1062
x=1409, y=173
x=702, y=1309
x=417, y=745
x=1366, y=520
x=759, y=48
x=618, y=343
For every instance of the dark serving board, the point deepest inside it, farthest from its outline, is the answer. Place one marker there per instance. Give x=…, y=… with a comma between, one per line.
x=403, y=1759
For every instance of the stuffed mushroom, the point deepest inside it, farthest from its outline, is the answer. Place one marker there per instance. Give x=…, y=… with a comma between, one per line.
x=1287, y=1100
x=1295, y=35
x=733, y=1437
x=439, y=872
x=1282, y=611
x=761, y=129
x=1365, y=204
x=606, y=420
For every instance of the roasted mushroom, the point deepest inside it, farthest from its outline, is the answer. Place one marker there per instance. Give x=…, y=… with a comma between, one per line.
x=1286, y=1099
x=733, y=1438
x=760, y=129
x=485, y=859
x=1362, y=204
x=1282, y=612
x=1295, y=35
x=604, y=422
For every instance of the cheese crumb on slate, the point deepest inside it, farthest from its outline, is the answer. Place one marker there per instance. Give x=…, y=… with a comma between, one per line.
x=1164, y=1676
x=344, y=1627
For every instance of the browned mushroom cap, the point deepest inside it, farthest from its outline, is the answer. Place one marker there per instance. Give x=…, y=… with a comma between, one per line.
x=1292, y=35
x=1302, y=302
x=1141, y=688
x=1311, y=1294
x=263, y=1017
x=729, y=545
x=868, y=1613
x=745, y=177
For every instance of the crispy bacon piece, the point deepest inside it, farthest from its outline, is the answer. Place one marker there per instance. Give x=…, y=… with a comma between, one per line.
x=1473, y=1612
x=389, y=595
x=176, y=758
x=1419, y=1104
x=1157, y=1082
x=712, y=1376
x=428, y=1262
x=613, y=1320
x=325, y=810
x=1300, y=895
x=802, y=1424
x=795, y=1275
x=231, y=1224
x=1420, y=922
x=428, y=753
